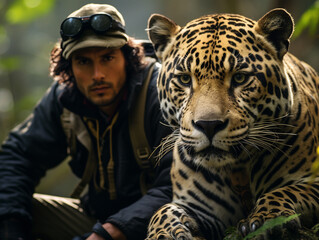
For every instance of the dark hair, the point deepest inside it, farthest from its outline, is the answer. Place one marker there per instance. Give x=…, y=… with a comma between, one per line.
x=60, y=68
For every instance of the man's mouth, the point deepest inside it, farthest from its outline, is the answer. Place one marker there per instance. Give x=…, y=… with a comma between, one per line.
x=100, y=89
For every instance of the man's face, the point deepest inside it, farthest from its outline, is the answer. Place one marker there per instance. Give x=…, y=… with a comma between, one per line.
x=99, y=74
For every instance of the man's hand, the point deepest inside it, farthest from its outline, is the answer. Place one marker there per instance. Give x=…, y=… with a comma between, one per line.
x=112, y=230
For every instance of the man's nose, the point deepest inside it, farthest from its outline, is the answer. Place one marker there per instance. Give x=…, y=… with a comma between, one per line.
x=98, y=72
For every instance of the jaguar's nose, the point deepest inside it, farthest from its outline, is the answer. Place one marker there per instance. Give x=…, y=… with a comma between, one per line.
x=211, y=127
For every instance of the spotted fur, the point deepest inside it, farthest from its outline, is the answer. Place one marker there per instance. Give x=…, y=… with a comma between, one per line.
x=245, y=114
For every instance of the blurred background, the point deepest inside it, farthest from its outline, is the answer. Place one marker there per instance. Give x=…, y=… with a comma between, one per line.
x=30, y=28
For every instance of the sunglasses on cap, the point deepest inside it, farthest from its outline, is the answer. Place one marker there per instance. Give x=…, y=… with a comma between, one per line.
x=72, y=27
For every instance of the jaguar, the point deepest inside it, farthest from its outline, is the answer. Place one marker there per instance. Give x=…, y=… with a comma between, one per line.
x=245, y=117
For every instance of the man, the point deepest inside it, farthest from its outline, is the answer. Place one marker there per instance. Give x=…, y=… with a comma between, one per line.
x=98, y=71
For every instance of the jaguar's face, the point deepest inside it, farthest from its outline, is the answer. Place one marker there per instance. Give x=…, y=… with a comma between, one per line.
x=220, y=79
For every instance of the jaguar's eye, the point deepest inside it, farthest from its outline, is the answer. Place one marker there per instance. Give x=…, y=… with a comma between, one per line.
x=240, y=78
x=184, y=79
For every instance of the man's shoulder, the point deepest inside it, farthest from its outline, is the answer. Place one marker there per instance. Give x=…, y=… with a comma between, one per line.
x=51, y=100
x=56, y=89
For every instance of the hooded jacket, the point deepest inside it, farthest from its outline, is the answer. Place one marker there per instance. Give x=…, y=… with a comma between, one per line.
x=40, y=143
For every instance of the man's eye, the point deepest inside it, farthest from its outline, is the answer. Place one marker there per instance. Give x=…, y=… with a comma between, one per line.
x=82, y=61
x=108, y=58
x=184, y=79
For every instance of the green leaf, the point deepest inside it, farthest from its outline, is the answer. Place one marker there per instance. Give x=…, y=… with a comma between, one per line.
x=314, y=23
x=270, y=224
x=24, y=11
x=315, y=228
x=309, y=19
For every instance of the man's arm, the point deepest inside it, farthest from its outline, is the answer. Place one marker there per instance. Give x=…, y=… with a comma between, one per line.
x=30, y=149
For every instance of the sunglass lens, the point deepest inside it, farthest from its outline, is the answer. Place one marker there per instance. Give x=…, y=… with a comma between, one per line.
x=101, y=23
x=71, y=27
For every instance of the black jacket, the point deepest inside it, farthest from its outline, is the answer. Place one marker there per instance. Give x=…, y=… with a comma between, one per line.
x=40, y=143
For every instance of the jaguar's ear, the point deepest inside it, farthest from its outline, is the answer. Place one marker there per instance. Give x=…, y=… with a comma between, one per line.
x=160, y=31
x=277, y=26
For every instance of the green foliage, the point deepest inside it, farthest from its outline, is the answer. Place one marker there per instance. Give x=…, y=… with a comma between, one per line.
x=316, y=228
x=232, y=233
x=24, y=11
x=9, y=63
x=310, y=20
x=270, y=224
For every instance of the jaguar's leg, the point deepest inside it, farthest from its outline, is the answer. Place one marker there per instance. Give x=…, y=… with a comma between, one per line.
x=172, y=222
x=286, y=201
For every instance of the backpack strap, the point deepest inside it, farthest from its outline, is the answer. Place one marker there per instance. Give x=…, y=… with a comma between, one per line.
x=87, y=175
x=141, y=148
x=74, y=129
